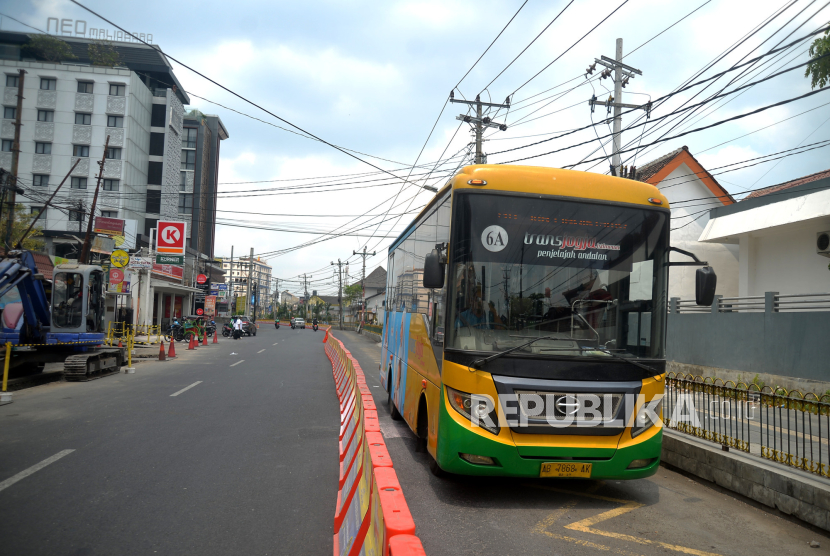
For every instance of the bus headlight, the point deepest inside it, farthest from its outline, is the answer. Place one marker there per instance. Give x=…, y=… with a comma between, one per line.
x=647, y=417
x=479, y=410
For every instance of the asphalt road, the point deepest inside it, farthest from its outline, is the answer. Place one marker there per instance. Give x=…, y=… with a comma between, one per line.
x=244, y=461
x=664, y=514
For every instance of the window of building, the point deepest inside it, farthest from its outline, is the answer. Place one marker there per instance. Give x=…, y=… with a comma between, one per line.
x=158, y=115
x=185, y=203
x=40, y=180
x=44, y=148
x=154, y=172
x=115, y=121
x=7, y=146
x=36, y=211
x=85, y=86
x=156, y=144
x=114, y=153
x=46, y=115
x=111, y=185
x=48, y=84
x=109, y=213
x=9, y=112
x=153, y=204
x=117, y=90
x=189, y=137
x=83, y=119
x=80, y=150
x=76, y=216
x=12, y=80
x=149, y=224
x=188, y=160
x=183, y=182
x=78, y=183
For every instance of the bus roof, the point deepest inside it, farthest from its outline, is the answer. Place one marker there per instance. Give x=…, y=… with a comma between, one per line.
x=547, y=181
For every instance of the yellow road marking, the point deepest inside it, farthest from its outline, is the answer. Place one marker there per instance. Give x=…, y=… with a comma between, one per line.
x=586, y=525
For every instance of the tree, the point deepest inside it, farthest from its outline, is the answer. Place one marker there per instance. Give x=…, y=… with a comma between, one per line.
x=353, y=293
x=22, y=219
x=819, y=70
x=103, y=53
x=47, y=47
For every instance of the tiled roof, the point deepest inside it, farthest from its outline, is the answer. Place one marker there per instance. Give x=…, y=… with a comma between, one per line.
x=649, y=169
x=44, y=265
x=787, y=185
x=376, y=278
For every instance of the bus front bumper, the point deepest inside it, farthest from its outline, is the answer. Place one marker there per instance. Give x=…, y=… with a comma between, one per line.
x=509, y=463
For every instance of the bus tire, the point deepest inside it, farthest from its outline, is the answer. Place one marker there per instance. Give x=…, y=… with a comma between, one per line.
x=435, y=469
x=393, y=411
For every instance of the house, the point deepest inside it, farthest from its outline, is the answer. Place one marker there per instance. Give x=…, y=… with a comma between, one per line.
x=692, y=191
x=776, y=231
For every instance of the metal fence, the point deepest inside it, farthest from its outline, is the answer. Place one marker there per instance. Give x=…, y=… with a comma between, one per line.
x=771, y=302
x=790, y=428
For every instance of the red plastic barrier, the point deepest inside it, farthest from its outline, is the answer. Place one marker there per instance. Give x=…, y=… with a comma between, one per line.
x=406, y=545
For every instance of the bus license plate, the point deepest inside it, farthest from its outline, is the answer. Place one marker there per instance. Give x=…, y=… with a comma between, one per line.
x=566, y=470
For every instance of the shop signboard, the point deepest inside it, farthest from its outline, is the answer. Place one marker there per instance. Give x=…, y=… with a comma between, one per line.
x=169, y=271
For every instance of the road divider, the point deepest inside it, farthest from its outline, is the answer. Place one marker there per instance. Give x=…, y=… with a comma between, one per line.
x=371, y=515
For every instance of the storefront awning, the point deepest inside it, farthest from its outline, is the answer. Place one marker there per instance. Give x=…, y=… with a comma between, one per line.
x=169, y=287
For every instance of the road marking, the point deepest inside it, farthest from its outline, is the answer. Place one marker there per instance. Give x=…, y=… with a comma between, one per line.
x=238, y=362
x=186, y=389
x=260, y=351
x=586, y=525
x=275, y=343
x=36, y=467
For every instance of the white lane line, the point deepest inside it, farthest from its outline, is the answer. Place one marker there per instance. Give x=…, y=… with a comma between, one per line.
x=36, y=467
x=186, y=389
x=275, y=343
x=260, y=351
x=238, y=362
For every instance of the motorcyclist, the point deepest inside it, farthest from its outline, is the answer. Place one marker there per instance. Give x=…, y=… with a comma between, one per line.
x=314, y=323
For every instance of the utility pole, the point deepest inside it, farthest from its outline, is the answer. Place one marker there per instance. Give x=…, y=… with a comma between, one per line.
x=84, y=258
x=250, y=278
x=622, y=74
x=232, y=293
x=339, y=289
x=480, y=121
x=15, y=157
x=363, y=254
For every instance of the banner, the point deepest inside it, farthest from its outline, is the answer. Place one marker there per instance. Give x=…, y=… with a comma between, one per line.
x=210, y=305
x=240, y=304
x=168, y=270
x=109, y=226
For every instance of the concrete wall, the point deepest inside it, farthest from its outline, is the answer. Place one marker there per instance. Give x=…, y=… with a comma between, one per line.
x=687, y=224
x=784, y=344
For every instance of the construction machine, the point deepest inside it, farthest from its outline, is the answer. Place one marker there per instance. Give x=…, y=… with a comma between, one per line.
x=71, y=330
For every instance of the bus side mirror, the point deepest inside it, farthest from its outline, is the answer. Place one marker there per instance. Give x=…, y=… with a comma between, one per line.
x=433, y=271
x=705, y=282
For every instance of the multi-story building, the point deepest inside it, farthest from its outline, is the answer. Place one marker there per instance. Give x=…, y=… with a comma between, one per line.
x=157, y=165
x=239, y=271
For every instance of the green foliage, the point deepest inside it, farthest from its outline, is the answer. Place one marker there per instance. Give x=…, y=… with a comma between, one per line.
x=22, y=219
x=353, y=293
x=103, y=53
x=47, y=47
x=819, y=71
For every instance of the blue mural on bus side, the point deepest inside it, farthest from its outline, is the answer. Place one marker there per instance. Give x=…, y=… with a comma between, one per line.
x=394, y=354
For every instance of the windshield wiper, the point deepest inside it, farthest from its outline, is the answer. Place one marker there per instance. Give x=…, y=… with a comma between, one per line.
x=621, y=358
x=479, y=363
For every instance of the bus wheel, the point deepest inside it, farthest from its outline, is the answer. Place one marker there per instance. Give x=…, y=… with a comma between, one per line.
x=435, y=469
x=393, y=411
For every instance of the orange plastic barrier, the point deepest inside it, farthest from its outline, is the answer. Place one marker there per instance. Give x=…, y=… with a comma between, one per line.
x=371, y=516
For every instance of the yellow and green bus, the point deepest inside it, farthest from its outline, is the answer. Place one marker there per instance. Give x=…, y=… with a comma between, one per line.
x=524, y=326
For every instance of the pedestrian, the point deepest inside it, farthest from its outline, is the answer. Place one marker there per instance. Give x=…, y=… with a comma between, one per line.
x=237, y=329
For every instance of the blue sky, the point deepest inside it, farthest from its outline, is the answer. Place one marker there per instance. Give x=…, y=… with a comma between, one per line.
x=373, y=76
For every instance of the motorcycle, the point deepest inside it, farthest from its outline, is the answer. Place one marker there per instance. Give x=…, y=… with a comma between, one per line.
x=210, y=329
x=314, y=326
x=277, y=324
x=226, y=330
x=175, y=332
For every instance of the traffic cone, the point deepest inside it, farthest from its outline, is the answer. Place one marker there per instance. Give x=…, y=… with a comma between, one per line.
x=162, y=356
x=192, y=344
x=171, y=353
x=120, y=344
x=215, y=337
x=204, y=339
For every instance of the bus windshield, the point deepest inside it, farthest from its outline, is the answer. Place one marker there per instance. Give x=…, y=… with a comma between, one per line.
x=588, y=279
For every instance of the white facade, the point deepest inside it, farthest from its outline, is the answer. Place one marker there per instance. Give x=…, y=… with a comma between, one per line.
x=687, y=224
x=237, y=279
x=777, y=243
x=123, y=116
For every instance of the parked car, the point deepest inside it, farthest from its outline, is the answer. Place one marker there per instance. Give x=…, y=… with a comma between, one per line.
x=299, y=323
x=248, y=326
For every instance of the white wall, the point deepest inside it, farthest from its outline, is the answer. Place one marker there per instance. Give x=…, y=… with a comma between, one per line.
x=784, y=260
x=687, y=225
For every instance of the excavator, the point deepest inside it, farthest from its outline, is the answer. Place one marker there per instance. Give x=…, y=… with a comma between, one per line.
x=71, y=330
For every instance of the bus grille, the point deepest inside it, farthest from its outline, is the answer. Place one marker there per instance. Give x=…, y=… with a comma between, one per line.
x=561, y=405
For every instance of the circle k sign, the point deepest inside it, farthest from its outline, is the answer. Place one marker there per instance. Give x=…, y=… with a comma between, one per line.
x=171, y=238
